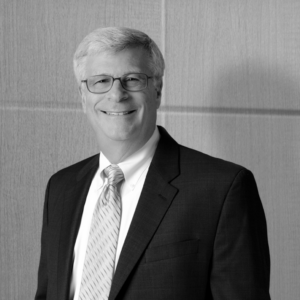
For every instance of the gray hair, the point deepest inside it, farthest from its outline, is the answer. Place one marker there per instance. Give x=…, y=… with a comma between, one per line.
x=115, y=39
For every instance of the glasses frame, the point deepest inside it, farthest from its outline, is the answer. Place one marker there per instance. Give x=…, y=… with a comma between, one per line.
x=120, y=79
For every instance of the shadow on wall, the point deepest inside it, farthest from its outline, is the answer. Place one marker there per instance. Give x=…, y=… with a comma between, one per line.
x=257, y=108
x=255, y=88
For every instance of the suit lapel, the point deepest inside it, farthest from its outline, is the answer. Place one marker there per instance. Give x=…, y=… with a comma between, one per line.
x=73, y=204
x=152, y=206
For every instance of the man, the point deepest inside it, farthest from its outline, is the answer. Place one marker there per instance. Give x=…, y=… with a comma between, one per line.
x=147, y=218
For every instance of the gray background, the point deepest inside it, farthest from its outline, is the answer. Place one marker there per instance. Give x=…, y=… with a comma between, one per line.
x=240, y=62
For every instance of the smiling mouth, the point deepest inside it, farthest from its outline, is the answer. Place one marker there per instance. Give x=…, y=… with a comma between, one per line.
x=120, y=113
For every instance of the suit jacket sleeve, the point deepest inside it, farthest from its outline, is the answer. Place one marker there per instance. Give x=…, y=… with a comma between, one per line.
x=43, y=270
x=241, y=262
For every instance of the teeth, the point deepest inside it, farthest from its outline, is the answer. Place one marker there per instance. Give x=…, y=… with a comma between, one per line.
x=118, y=113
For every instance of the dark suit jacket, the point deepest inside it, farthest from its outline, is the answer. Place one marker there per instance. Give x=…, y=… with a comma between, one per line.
x=199, y=231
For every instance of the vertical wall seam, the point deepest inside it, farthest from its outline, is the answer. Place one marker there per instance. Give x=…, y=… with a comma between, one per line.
x=163, y=50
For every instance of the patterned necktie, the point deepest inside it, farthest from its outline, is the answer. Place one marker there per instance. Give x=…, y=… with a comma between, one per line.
x=102, y=243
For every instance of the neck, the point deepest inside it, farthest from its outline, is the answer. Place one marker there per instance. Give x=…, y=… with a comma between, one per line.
x=118, y=151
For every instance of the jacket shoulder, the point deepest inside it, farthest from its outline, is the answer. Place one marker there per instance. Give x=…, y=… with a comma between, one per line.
x=77, y=168
x=201, y=162
x=208, y=177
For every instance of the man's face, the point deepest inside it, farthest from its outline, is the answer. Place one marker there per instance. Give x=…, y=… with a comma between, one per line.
x=136, y=127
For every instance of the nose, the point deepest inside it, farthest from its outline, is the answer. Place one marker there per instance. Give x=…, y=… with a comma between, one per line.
x=117, y=92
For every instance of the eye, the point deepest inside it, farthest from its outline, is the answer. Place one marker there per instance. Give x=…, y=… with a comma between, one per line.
x=131, y=78
x=101, y=81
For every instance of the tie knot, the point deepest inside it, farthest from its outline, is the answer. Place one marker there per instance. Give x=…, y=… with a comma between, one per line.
x=114, y=174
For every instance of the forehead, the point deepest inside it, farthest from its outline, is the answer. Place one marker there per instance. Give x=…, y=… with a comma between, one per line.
x=118, y=63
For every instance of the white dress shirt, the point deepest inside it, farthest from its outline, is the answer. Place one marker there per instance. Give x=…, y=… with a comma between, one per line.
x=135, y=169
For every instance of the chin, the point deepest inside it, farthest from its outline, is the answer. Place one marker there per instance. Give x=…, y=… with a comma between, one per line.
x=121, y=135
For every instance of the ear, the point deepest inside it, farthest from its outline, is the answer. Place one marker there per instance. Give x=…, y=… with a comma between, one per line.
x=158, y=98
x=83, y=99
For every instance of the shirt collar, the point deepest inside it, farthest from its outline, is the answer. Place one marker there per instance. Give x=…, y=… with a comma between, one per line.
x=134, y=166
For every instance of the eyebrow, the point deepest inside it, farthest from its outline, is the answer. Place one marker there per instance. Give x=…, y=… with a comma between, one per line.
x=127, y=73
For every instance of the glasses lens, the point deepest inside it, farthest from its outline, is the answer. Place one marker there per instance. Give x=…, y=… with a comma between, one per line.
x=99, y=83
x=131, y=82
x=134, y=82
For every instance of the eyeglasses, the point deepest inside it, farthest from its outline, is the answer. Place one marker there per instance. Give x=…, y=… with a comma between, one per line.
x=133, y=82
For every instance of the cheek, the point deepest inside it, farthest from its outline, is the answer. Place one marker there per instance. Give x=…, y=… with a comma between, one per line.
x=153, y=104
x=152, y=99
x=92, y=102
